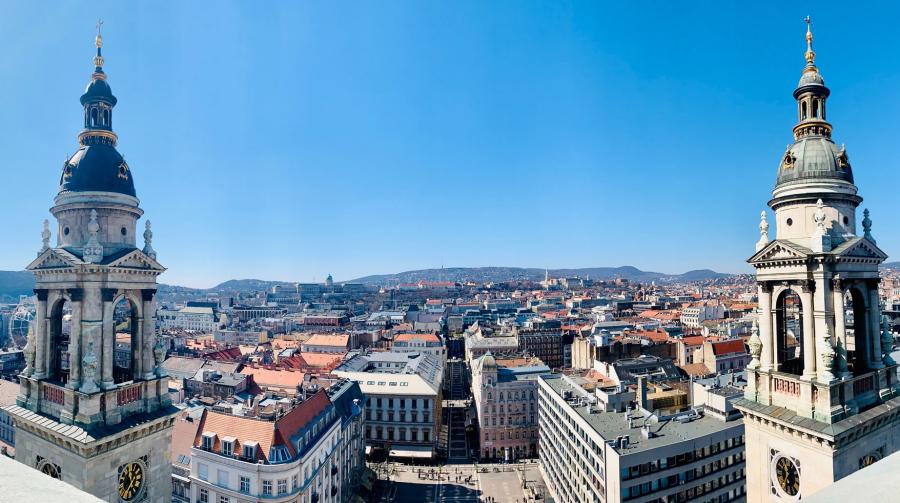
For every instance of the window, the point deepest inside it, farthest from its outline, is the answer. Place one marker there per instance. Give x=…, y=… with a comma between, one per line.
x=249, y=450
x=228, y=448
x=208, y=441
x=426, y=435
x=245, y=485
x=267, y=487
x=414, y=402
x=282, y=486
x=204, y=496
x=222, y=477
x=294, y=483
x=223, y=499
x=203, y=471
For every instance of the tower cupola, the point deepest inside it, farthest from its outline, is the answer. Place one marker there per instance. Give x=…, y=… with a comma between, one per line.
x=813, y=167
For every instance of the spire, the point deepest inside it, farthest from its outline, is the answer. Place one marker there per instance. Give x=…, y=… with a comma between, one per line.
x=98, y=102
x=98, y=59
x=810, y=54
x=811, y=94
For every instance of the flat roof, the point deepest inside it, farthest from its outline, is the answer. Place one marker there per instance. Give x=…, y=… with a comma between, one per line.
x=610, y=425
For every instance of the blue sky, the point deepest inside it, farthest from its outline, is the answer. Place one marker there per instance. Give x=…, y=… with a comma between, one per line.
x=289, y=140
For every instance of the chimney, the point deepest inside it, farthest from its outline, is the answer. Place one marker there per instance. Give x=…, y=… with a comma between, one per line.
x=642, y=392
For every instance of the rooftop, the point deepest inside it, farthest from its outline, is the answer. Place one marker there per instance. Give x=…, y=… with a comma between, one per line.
x=610, y=425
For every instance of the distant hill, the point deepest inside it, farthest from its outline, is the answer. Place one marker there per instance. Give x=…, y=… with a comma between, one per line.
x=247, y=285
x=15, y=283
x=497, y=274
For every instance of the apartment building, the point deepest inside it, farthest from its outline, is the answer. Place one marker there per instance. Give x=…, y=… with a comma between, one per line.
x=505, y=395
x=606, y=447
x=306, y=454
x=403, y=400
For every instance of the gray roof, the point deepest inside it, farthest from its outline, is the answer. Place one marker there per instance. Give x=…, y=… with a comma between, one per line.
x=610, y=425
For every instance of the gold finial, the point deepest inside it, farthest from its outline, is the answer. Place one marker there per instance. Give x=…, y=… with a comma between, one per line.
x=810, y=55
x=99, y=39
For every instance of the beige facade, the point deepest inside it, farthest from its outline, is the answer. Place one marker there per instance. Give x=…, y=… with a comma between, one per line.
x=79, y=417
x=822, y=393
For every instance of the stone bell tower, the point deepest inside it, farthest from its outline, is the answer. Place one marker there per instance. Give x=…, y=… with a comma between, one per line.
x=93, y=408
x=821, y=400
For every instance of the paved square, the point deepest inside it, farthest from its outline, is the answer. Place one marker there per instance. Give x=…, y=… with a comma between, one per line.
x=458, y=484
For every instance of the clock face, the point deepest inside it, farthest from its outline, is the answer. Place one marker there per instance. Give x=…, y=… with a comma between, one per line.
x=131, y=480
x=788, y=476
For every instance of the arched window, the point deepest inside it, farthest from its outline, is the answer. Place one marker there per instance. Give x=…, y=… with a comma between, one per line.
x=60, y=332
x=789, y=332
x=815, y=109
x=855, y=323
x=803, y=111
x=93, y=117
x=126, y=349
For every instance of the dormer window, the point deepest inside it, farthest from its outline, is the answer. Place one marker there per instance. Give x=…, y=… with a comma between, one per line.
x=249, y=449
x=209, y=439
x=228, y=444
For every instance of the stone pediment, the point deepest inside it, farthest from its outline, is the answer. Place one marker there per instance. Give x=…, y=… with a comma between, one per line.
x=136, y=259
x=54, y=258
x=780, y=250
x=860, y=247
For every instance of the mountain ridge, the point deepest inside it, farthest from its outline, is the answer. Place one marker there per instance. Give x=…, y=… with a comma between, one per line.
x=15, y=283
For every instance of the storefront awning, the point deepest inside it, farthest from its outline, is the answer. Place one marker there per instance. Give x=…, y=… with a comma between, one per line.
x=423, y=452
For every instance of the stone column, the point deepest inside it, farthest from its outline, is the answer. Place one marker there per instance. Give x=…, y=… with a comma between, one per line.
x=108, y=337
x=76, y=297
x=91, y=317
x=840, y=327
x=767, y=335
x=40, y=335
x=148, y=297
x=137, y=345
x=809, y=332
x=874, y=321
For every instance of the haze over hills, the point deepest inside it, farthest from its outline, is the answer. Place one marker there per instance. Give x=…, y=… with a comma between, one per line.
x=15, y=283
x=496, y=274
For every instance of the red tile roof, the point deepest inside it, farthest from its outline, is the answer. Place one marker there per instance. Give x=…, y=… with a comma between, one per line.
x=728, y=347
x=266, y=433
x=419, y=337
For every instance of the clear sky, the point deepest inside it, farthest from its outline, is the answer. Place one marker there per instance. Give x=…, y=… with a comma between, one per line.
x=289, y=140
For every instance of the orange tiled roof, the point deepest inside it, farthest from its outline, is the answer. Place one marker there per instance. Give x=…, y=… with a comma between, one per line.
x=266, y=433
x=183, y=434
x=728, y=347
x=414, y=337
x=328, y=340
x=274, y=378
x=322, y=360
x=693, y=340
x=695, y=369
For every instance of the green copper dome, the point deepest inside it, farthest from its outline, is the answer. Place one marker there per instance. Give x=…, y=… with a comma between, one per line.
x=814, y=157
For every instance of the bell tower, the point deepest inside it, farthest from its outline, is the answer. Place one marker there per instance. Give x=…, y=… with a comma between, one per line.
x=821, y=399
x=93, y=408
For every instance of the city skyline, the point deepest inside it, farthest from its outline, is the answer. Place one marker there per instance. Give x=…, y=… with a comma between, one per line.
x=280, y=145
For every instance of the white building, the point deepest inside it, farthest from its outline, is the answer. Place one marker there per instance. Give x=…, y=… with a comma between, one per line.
x=310, y=453
x=695, y=315
x=431, y=344
x=603, y=447
x=200, y=319
x=403, y=400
